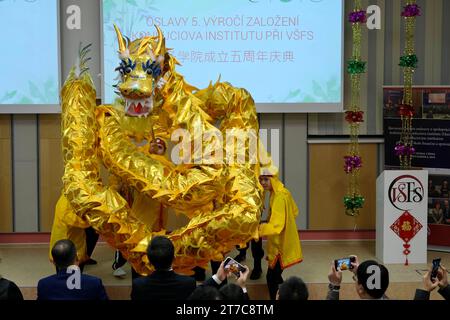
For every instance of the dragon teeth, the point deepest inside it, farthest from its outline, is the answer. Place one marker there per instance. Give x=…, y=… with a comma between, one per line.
x=145, y=103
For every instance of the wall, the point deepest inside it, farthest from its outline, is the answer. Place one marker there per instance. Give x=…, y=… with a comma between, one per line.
x=30, y=155
x=328, y=185
x=382, y=49
x=6, y=216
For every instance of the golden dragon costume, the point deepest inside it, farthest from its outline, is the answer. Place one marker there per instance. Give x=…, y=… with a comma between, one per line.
x=221, y=198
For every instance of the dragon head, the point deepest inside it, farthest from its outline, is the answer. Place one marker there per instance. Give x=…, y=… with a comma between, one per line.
x=141, y=70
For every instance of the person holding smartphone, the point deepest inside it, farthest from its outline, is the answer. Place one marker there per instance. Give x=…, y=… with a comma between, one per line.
x=164, y=283
x=363, y=276
x=430, y=284
x=283, y=244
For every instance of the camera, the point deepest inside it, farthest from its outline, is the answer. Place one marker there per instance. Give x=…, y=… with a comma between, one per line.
x=344, y=263
x=234, y=266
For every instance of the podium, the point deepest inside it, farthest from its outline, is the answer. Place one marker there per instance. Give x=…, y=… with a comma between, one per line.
x=401, y=227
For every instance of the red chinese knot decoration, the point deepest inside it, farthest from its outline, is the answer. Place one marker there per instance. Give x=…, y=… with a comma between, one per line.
x=406, y=227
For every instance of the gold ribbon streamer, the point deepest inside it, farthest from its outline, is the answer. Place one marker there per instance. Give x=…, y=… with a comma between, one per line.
x=355, y=80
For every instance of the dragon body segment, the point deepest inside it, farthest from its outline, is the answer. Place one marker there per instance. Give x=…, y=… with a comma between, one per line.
x=221, y=197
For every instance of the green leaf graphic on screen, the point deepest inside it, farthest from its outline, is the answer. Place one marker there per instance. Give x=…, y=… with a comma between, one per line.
x=308, y=98
x=34, y=91
x=43, y=93
x=108, y=6
x=292, y=95
x=132, y=2
x=7, y=96
x=25, y=100
x=328, y=93
x=132, y=12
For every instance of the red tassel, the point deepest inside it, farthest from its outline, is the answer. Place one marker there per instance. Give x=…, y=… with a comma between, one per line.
x=406, y=262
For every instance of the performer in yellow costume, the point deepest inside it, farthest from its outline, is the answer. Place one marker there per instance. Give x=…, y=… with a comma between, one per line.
x=67, y=225
x=142, y=205
x=283, y=243
x=149, y=211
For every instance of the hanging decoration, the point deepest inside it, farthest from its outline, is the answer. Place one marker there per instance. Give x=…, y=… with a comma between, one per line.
x=353, y=200
x=406, y=227
x=404, y=148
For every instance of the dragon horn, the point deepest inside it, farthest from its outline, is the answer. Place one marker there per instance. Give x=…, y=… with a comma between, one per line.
x=120, y=39
x=160, y=41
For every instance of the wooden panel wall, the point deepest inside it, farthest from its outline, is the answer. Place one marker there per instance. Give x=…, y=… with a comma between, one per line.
x=6, y=215
x=328, y=183
x=50, y=168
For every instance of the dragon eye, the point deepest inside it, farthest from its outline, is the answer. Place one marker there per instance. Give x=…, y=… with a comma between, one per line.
x=128, y=70
x=149, y=71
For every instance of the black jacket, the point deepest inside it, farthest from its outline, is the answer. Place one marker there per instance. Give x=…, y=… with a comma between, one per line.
x=9, y=291
x=165, y=285
x=425, y=295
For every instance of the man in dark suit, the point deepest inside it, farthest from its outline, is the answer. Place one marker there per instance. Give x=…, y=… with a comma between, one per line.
x=164, y=283
x=68, y=283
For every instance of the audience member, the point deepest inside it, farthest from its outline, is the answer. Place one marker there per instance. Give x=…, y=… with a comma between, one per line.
x=164, y=283
x=236, y=291
x=68, y=283
x=444, y=189
x=429, y=284
x=205, y=293
x=432, y=191
x=9, y=290
x=371, y=280
x=293, y=289
x=446, y=212
x=233, y=292
x=436, y=214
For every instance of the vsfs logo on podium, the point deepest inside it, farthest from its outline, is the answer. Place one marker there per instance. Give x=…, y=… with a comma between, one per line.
x=402, y=201
x=404, y=191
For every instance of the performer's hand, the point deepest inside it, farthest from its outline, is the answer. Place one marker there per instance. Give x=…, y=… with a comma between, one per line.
x=442, y=277
x=222, y=273
x=335, y=276
x=428, y=284
x=243, y=277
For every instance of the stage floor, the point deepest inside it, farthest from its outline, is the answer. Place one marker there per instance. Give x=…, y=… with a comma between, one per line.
x=26, y=264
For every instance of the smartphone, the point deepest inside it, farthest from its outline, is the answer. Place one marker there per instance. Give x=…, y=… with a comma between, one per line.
x=435, y=268
x=233, y=266
x=344, y=263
